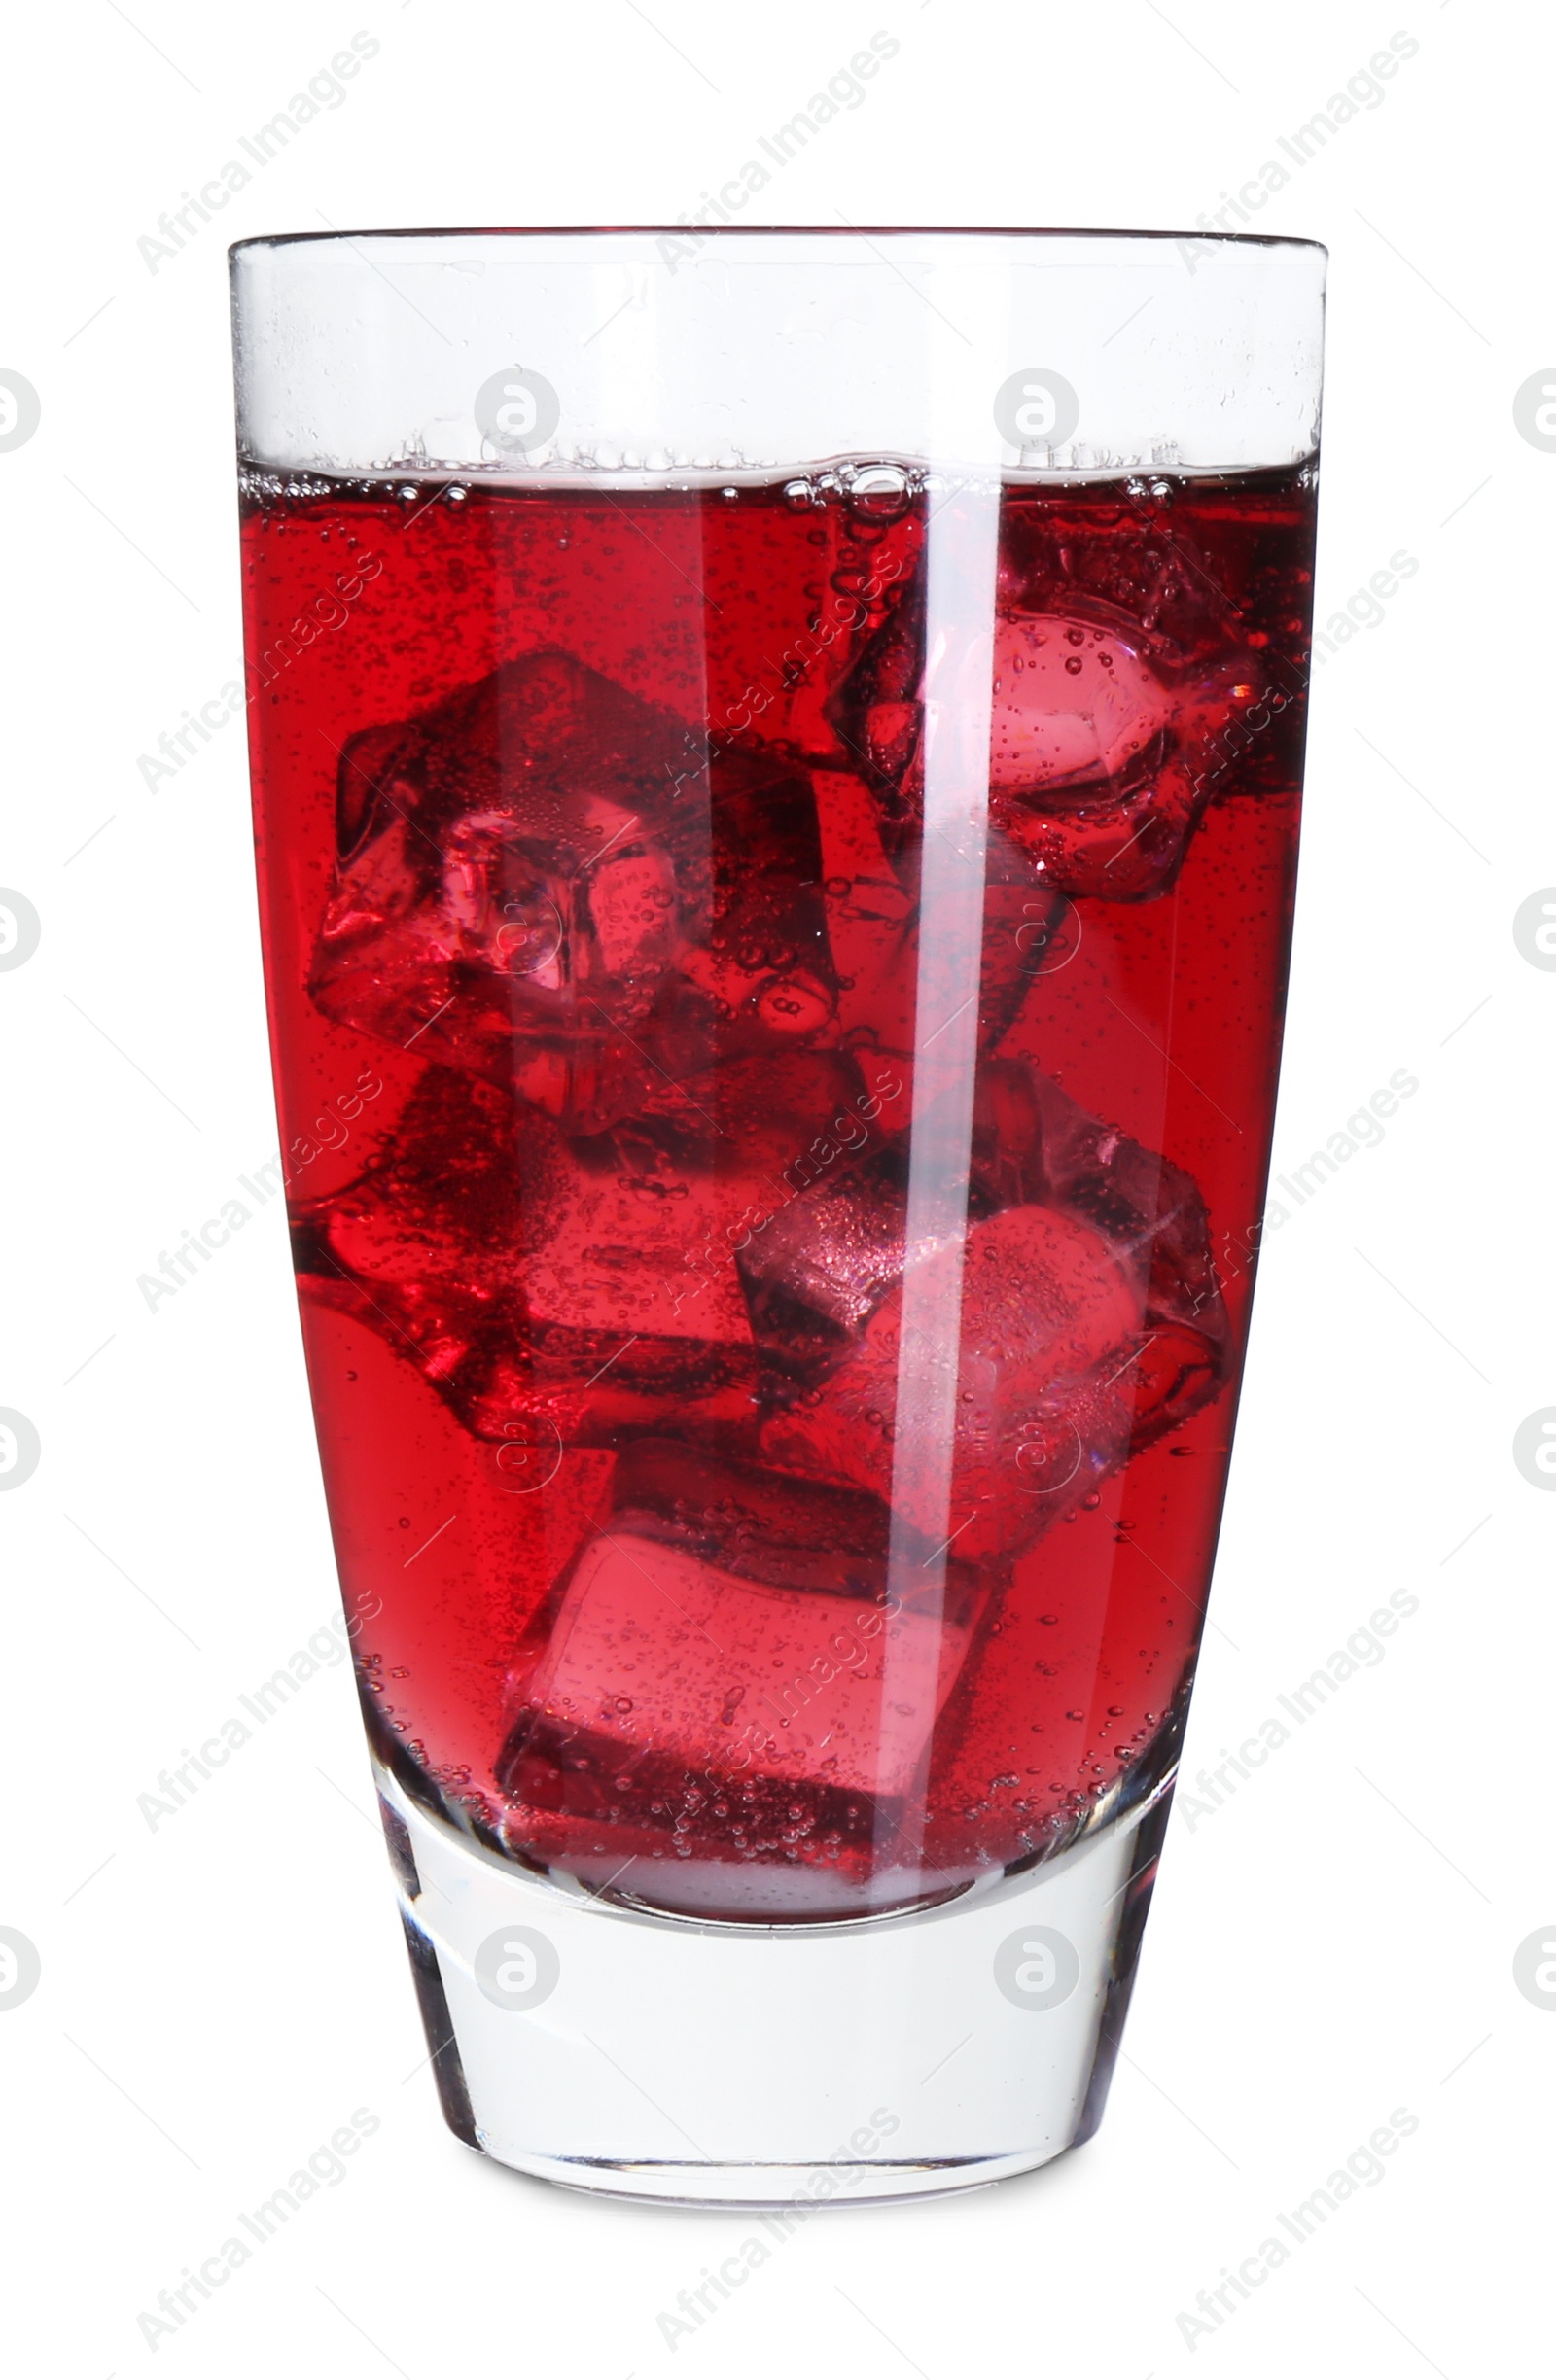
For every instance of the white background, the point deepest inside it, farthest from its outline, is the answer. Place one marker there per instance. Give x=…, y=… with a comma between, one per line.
x=1335, y=1943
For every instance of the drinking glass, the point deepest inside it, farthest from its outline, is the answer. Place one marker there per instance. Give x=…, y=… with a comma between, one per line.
x=776, y=763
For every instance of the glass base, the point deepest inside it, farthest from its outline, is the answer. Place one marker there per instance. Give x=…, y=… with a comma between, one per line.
x=903, y=2055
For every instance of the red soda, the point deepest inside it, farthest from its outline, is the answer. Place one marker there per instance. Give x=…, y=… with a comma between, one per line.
x=590, y=825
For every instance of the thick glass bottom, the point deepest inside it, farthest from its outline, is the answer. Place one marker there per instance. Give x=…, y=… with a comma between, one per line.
x=903, y=2055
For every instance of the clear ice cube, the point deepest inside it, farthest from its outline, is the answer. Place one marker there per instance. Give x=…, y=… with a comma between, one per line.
x=871, y=902
x=552, y=883
x=663, y=1685
x=1090, y=1319
x=1106, y=741
x=587, y=1284
x=1049, y=1320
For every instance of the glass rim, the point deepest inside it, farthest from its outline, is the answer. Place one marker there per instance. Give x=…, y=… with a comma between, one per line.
x=585, y=232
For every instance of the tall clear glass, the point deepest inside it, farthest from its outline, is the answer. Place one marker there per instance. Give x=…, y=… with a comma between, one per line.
x=776, y=762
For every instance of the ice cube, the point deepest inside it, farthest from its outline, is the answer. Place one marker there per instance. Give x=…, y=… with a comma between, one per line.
x=1103, y=745
x=871, y=900
x=759, y=1524
x=1106, y=742
x=821, y=1265
x=1033, y=1141
x=587, y=1284
x=1049, y=1321
x=664, y=1688
x=556, y=884
x=1090, y=1317
x=1074, y=704
x=870, y=917
x=878, y=711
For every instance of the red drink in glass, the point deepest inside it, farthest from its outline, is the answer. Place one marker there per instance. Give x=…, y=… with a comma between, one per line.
x=592, y=831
